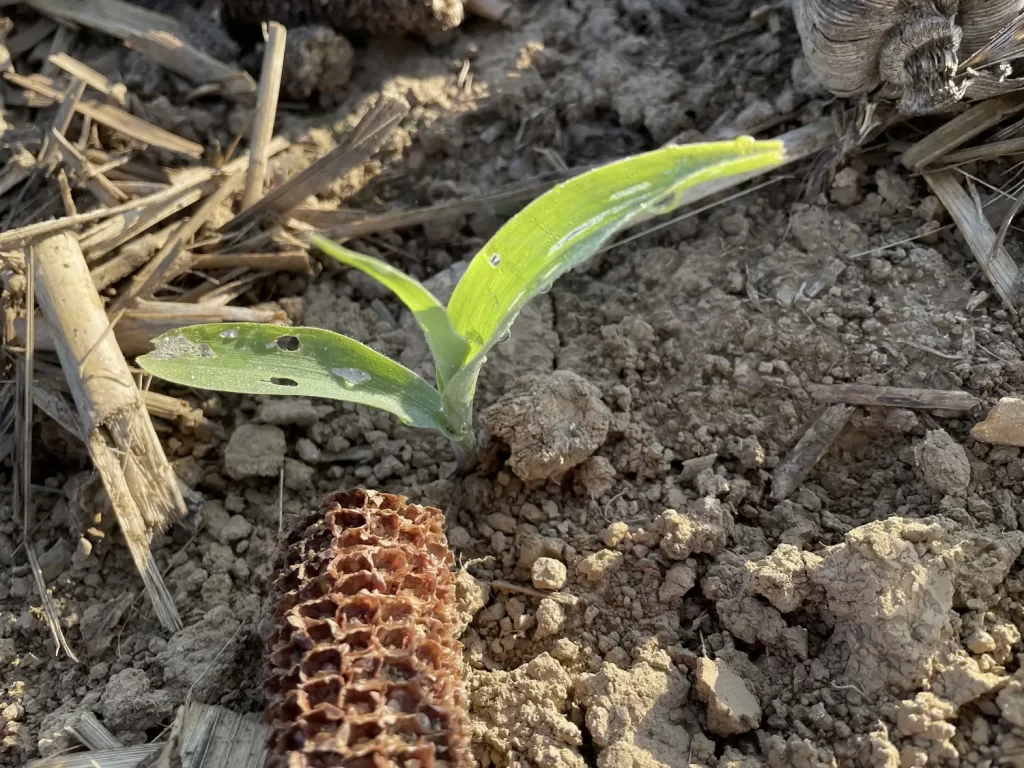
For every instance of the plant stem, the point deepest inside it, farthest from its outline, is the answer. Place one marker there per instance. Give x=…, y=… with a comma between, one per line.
x=467, y=451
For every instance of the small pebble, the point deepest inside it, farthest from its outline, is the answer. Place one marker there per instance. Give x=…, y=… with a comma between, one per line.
x=981, y=642
x=613, y=535
x=618, y=657
x=307, y=450
x=550, y=618
x=548, y=573
x=503, y=523
x=596, y=567
x=532, y=547
x=532, y=513
x=499, y=542
x=458, y=537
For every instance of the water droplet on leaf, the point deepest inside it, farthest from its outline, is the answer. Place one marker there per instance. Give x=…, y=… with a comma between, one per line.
x=351, y=376
x=231, y=333
x=173, y=347
x=495, y=260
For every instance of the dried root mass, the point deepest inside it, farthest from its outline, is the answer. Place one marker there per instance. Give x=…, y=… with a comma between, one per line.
x=364, y=662
x=912, y=47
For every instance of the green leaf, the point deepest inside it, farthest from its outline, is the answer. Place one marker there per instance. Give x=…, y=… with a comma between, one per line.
x=257, y=359
x=448, y=348
x=566, y=226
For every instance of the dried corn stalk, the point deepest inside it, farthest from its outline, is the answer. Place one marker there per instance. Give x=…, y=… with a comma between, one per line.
x=364, y=664
x=123, y=445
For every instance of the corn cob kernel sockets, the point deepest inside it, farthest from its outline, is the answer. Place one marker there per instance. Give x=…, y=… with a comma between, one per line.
x=384, y=18
x=364, y=664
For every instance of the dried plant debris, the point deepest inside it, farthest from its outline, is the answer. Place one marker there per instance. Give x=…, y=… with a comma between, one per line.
x=911, y=49
x=364, y=663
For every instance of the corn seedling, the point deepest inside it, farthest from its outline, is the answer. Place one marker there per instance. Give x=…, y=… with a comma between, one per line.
x=556, y=232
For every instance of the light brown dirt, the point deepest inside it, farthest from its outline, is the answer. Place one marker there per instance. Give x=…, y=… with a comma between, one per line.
x=871, y=620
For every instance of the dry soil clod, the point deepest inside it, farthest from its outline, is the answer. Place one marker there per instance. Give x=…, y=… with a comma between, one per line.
x=1004, y=424
x=383, y=18
x=364, y=662
x=551, y=424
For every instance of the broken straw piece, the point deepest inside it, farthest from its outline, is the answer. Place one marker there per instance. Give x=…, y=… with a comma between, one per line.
x=364, y=662
x=1004, y=424
x=814, y=444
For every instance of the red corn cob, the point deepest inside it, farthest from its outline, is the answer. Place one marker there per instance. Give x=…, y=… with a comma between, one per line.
x=364, y=663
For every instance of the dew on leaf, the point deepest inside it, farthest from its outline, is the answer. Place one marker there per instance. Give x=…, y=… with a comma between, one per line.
x=495, y=260
x=231, y=333
x=351, y=376
x=173, y=347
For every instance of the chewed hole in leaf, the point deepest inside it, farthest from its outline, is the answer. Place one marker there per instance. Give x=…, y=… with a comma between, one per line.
x=173, y=347
x=288, y=343
x=281, y=382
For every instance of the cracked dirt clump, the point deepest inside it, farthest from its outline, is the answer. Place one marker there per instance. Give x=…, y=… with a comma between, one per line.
x=364, y=664
x=633, y=714
x=732, y=708
x=255, y=450
x=551, y=423
x=889, y=588
x=129, y=703
x=703, y=527
x=925, y=719
x=316, y=60
x=519, y=718
x=943, y=463
x=198, y=659
x=1011, y=701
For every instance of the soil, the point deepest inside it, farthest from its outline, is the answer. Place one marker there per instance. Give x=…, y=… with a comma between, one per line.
x=632, y=596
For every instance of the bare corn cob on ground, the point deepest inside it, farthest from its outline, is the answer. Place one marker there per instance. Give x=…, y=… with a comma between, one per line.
x=369, y=17
x=364, y=663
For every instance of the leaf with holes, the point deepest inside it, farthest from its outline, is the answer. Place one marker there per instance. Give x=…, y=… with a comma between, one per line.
x=556, y=232
x=257, y=359
x=565, y=227
x=447, y=347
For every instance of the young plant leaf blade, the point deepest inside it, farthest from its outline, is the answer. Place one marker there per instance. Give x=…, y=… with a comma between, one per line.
x=259, y=359
x=567, y=225
x=448, y=348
